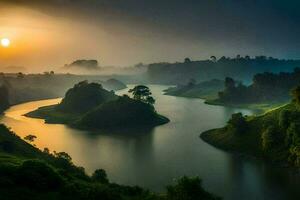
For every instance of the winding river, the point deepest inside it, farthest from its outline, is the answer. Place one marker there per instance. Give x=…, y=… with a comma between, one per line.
x=154, y=159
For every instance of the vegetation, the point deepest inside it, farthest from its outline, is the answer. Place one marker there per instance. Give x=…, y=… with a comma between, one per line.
x=266, y=88
x=83, y=97
x=113, y=84
x=243, y=68
x=89, y=106
x=28, y=173
x=203, y=90
x=274, y=135
x=4, y=101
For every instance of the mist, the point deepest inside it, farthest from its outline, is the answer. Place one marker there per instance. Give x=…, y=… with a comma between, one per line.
x=45, y=35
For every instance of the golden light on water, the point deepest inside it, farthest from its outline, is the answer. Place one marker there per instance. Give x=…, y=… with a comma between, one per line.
x=5, y=42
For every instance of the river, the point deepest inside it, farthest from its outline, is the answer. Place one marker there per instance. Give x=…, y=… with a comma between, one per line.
x=155, y=158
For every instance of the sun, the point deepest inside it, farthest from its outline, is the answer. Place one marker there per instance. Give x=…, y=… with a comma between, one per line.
x=5, y=42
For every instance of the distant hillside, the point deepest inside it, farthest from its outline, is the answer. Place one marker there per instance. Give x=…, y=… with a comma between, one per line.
x=267, y=88
x=241, y=68
x=204, y=90
x=113, y=84
x=274, y=135
x=89, y=106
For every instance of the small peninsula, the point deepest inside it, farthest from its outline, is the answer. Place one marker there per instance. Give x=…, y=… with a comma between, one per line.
x=202, y=90
x=274, y=135
x=89, y=106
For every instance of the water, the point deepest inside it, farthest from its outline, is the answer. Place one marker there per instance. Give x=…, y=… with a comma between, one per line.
x=155, y=158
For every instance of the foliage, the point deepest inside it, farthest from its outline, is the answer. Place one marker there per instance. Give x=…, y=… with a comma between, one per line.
x=204, y=90
x=28, y=173
x=30, y=138
x=4, y=98
x=100, y=176
x=240, y=67
x=84, y=96
x=121, y=113
x=266, y=87
x=274, y=135
x=237, y=124
x=142, y=93
x=188, y=189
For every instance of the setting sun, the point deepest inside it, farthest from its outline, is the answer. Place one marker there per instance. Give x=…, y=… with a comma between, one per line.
x=5, y=42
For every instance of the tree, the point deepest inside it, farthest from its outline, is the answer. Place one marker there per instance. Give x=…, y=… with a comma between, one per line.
x=100, y=175
x=229, y=83
x=213, y=58
x=296, y=95
x=63, y=155
x=188, y=189
x=4, y=98
x=142, y=93
x=237, y=124
x=30, y=138
x=268, y=138
x=187, y=60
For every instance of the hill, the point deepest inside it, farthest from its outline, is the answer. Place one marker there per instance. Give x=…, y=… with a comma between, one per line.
x=89, y=106
x=242, y=68
x=28, y=173
x=274, y=135
x=113, y=84
x=203, y=90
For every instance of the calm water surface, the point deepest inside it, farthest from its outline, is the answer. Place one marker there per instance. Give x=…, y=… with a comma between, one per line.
x=153, y=159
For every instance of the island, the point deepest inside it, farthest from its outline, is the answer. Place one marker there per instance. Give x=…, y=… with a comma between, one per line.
x=274, y=135
x=113, y=84
x=90, y=106
x=203, y=90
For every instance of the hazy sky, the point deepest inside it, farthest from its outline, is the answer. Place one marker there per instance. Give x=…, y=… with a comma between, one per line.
x=47, y=33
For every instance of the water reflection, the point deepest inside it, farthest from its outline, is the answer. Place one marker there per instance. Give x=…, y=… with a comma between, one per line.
x=153, y=158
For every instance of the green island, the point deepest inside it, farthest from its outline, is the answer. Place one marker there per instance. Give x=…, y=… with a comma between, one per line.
x=203, y=90
x=89, y=106
x=274, y=135
x=29, y=173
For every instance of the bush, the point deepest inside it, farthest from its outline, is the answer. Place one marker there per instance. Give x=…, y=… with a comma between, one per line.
x=237, y=124
x=100, y=176
x=188, y=189
x=38, y=175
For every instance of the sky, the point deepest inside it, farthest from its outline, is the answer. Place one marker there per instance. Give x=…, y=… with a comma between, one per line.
x=46, y=34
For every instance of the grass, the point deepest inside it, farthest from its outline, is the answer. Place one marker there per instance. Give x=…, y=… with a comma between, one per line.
x=259, y=107
x=250, y=142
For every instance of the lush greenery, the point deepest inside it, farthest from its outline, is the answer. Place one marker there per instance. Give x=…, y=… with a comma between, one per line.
x=89, y=106
x=83, y=97
x=274, y=135
x=242, y=68
x=204, y=90
x=28, y=173
x=266, y=88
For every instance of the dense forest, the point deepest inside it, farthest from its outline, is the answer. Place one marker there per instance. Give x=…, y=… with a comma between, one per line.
x=266, y=88
x=27, y=173
x=274, y=135
x=89, y=105
x=242, y=68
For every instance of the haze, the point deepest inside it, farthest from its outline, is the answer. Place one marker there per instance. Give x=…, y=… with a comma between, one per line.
x=48, y=34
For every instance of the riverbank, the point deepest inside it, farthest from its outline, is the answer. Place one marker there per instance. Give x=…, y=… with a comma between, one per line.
x=258, y=107
x=272, y=136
